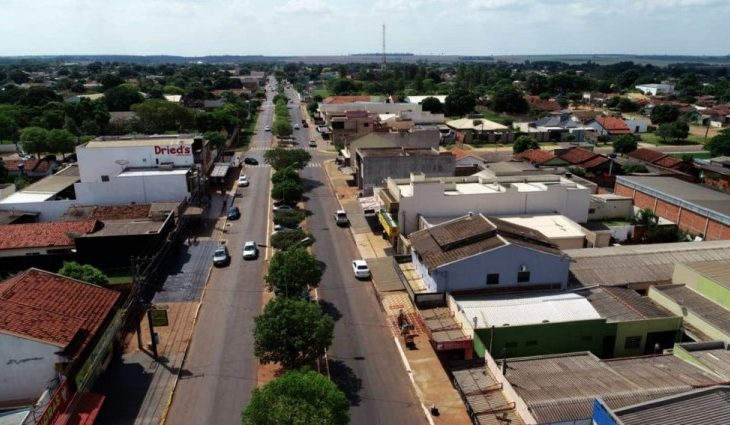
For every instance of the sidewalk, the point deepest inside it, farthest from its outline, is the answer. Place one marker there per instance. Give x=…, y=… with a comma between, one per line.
x=428, y=376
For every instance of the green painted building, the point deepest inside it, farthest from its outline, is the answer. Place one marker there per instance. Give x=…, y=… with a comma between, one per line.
x=700, y=294
x=607, y=321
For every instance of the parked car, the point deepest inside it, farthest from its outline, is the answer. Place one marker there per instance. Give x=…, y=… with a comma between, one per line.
x=341, y=218
x=296, y=126
x=221, y=257
x=282, y=207
x=312, y=144
x=267, y=128
x=361, y=270
x=243, y=181
x=234, y=213
x=250, y=251
x=250, y=161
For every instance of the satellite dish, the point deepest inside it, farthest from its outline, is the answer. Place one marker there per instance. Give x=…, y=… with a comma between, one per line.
x=121, y=162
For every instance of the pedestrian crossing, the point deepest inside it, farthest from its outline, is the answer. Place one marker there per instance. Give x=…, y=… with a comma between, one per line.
x=266, y=148
x=309, y=165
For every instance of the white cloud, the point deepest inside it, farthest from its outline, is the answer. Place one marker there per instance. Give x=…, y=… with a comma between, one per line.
x=304, y=6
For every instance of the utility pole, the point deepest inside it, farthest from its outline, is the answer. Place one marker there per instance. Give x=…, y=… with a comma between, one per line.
x=384, y=61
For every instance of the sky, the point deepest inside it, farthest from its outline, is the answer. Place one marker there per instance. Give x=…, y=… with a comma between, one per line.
x=340, y=27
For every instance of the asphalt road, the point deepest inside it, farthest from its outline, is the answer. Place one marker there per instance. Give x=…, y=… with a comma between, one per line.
x=363, y=359
x=220, y=369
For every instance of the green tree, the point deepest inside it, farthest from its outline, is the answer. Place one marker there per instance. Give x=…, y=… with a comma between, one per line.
x=627, y=105
x=287, y=190
x=8, y=128
x=299, y=397
x=624, y=144
x=34, y=140
x=292, y=332
x=109, y=81
x=122, y=97
x=83, y=272
x=459, y=102
x=282, y=158
x=284, y=174
x=664, y=114
x=433, y=105
x=61, y=141
x=157, y=116
x=288, y=238
x=673, y=132
x=524, y=143
x=292, y=271
x=288, y=218
x=39, y=96
x=282, y=128
x=720, y=144
x=508, y=99
x=646, y=217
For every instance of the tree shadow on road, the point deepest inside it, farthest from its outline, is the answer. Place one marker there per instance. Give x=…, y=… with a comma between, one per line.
x=308, y=184
x=346, y=380
x=330, y=310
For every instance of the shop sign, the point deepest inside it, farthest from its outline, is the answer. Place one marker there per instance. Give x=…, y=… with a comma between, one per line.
x=85, y=375
x=173, y=150
x=56, y=405
x=454, y=345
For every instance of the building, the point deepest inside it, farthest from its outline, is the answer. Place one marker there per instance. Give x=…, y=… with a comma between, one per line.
x=637, y=125
x=609, y=322
x=695, y=208
x=468, y=130
x=141, y=170
x=609, y=126
x=705, y=406
x=656, y=89
x=701, y=294
x=586, y=160
x=350, y=125
x=374, y=165
x=48, y=198
x=663, y=164
x=409, y=199
x=539, y=158
x=49, y=326
x=715, y=173
x=610, y=206
x=476, y=253
x=466, y=162
x=558, y=229
x=640, y=266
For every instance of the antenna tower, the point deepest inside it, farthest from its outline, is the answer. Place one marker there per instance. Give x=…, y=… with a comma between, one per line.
x=384, y=63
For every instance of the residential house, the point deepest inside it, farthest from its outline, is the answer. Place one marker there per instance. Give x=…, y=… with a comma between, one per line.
x=47, y=198
x=52, y=326
x=44, y=245
x=590, y=162
x=664, y=164
x=466, y=162
x=414, y=139
x=373, y=165
x=609, y=126
x=351, y=125
x=557, y=128
x=695, y=208
x=637, y=125
x=539, y=157
x=33, y=167
x=468, y=130
x=475, y=253
x=715, y=173
x=596, y=98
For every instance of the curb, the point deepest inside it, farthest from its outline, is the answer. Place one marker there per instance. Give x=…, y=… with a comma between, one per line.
x=404, y=359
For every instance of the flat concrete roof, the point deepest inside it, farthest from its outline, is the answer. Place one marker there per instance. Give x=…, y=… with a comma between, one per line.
x=553, y=226
x=46, y=187
x=146, y=173
x=526, y=309
x=128, y=227
x=23, y=197
x=152, y=141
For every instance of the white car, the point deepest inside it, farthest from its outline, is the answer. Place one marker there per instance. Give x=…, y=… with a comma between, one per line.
x=283, y=207
x=243, y=181
x=250, y=251
x=221, y=257
x=296, y=126
x=267, y=128
x=361, y=270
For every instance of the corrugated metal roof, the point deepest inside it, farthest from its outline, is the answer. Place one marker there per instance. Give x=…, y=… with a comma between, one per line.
x=622, y=265
x=620, y=304
x=700, y=407
x=707, y=310
x=484, y=398
x=717, y=271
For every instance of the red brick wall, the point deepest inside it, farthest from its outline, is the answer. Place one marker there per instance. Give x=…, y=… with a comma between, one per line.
x=717, y=231
x=666, y=210
x=692, y=222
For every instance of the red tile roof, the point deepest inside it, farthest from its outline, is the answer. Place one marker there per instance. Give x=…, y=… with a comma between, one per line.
x=595, y=162
x=120, y=212
x=614, y=125
x=541, y=104
x=647, y=155
x=460, y=153
x=37, y=235
x=345, y=99
x=668, y=162
x=535, y=156
x=48, y=307
x=577, y=156
x=30, y=165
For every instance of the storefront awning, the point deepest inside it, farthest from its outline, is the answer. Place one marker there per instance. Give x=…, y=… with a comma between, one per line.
x=220, y=169
x=369, y=204
x=82, y=411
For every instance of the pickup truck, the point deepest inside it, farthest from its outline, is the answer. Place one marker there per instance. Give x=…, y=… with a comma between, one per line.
x=341, y=218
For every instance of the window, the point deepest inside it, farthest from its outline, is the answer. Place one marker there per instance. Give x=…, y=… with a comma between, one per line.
x=105, y=178
x=632, y=342
x=523, y=277
x=493, y=279
x=591, y=210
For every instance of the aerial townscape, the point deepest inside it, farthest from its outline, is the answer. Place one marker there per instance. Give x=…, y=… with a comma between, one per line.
x=232, y=233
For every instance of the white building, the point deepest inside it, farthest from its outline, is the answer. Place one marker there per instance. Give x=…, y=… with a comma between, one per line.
x=656, y=89
x=139, y=170
x=478, y=253
x=448, y=197
x=637, y=125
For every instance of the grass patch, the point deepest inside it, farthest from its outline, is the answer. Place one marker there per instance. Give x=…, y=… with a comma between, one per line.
x=321, y=92
x=614, y=223
x=247, y=132
x=119, y=277
x=655, y=140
